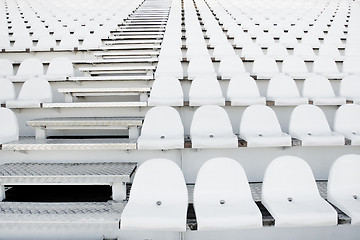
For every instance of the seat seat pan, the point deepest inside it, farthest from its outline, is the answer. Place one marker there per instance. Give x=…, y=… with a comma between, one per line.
x=162, y=218
x=328, y=140
x=328, y=101
x=311, y=212
x=247, y=101
x=166, y=143
x=232, y=216
x=216, y=142
x=268, y=141
x=166, y=101
x=350, y=206
x=281, y=101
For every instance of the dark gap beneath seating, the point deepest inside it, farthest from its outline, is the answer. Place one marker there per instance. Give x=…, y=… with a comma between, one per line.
x=191, y=217
x=58, y=193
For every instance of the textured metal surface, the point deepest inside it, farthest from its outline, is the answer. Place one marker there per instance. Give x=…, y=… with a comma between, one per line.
x=36, y=173
x=90, y=212
x=30, y=143
x=120, y=60
x=128, y=68
x=86, y=121
x=104, y=90
x=111, y=78
x=94, y=104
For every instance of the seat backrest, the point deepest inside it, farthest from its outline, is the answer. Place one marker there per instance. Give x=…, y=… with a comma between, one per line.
x=22, y=43
x=351, y=64
x=200, y=65
x=208, y=82
x=9, y=128
x=324, y=64
x=209, y=187
x=7, y=90
x=169, y=66
x=221, y=50
x=346, y=119
x=166, y=87
x=162, y=121
x=61, y=66
x=242, y=86
x=352, y=50
x=288, y=177
x=210, y=120
x=265, y=63
x=158, y=180
x=350, y=86
x=308, y=119
x=231, y=63
x=310, y=39
x=91, y=41
x=282, y=86
x=294, y=64
x=327, y=49
x=252, y=49
x=36, y=89
x=259, y=120
x=317, y=86
x=69, y=42
x=46, y=42
x=6, y=67
x=30, y=66
x=344, y=177
x=304, y=49
x=277, y=49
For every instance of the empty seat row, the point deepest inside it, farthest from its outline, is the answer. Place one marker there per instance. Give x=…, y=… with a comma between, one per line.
x=289, y=193
x=259, y=127
x=243, y=91
x=60, y=67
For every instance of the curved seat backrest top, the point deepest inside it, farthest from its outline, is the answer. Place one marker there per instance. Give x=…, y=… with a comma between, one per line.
x=9, y=128
x=230, y=185
x=282, y=86
x=344, y=177
x=211, y=120
x=317, y=86
x=347, y=118
x=350, y=86
x=289, y=177
x=30, y=66
x=61, y=66
x=162, y=121
x=36, y=89
x=242, y=86
x=308, y=119
x=159, y=180
x=259, y=120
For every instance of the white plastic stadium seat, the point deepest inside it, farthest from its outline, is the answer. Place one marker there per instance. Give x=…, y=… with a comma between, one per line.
x=259, y=127
x=6, y=68
x=308, y=124
x=33, y=92
x=211, y=128
x=290, y=194
x=351, y=65
x=9, y=129
x=343, y=186
x=200, y=66
x=264, y=67
x=277, y=50
x=295, y=67
x=60, y=67
x=7, y=90
x=243, y=91
x=162, y=129
x=218, y=207
x=283, y=91
x=29, y=68
x=346, y=121
x=326, y=66
x=213, y=94
x=250, y=51
x=231, y=66
x=169, y=66
x=166, y=91
x=319, y=90
x=350, y=88
x=158, y=199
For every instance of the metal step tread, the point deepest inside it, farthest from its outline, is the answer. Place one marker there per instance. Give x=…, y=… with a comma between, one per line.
x=76, y=91
x=104, y=172
x=60, y=213
x=86, y=121
x=30, y=143
x=93, y=104
x=112, y=78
